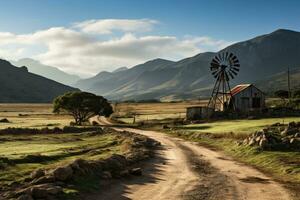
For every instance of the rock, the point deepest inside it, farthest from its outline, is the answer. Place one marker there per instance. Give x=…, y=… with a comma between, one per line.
x=292, y=140
x=289, y=131
x=258, y=138
x=292, y=124
x=297, y=135
x=25, y=197
x=4, y=120
x=124, y=173
x=252, y=142
x=136, y=171
x=106, y=175
x=263, y=143
x=63, y=173
x=37, y=174
x=165, y=126
x=275, y=124
x=54, y=190
x=43, y=190
x=44, y=179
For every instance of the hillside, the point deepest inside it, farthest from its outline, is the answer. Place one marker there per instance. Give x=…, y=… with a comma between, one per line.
x=20, y=86
x=260, y=57
x=279, y=81
x=53, y=73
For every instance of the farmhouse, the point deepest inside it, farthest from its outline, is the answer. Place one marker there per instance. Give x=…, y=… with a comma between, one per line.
x=247, y=97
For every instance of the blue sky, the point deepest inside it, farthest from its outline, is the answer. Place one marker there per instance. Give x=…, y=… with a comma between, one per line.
x=222, y=21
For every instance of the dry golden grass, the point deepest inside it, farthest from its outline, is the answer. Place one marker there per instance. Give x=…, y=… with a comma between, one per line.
x=31, y=116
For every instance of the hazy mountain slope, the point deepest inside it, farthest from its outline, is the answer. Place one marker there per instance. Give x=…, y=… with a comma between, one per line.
x=20, y=86
x=259, y=57
x=106, y=82
x=280, y=81
x=47, y=71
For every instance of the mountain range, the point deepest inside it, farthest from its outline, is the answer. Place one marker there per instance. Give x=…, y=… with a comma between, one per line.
x=20, y=86
x=50, y=72
x=262, y=60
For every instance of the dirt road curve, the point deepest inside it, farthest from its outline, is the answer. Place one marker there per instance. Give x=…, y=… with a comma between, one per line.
x=184, y=170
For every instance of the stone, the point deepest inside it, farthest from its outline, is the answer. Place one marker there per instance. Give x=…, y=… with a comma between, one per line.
x=44, y=179
x=292, y=124
x=297, y=135
x=136, y=171
x=25, y=197
x=37, y=174
x=289, y=131
x=43, y=190
x=106, y=175
x=124, y=173
x=263, y=143
x=252, y=142
x=63, y=173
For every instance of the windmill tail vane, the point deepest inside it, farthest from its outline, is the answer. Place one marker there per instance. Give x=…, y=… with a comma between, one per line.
x=224, y=67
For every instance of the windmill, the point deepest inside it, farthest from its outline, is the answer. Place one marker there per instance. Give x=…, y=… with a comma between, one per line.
x=224, y=67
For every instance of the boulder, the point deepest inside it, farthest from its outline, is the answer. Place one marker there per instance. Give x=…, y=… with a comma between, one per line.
x=136, y=171
x=25, y=197
x=289, y=131
x=292, y=125
x=43, y=179
x=63, y=173
x=43, y=190
x=4, y=120
x=37, y=174
x=106, y=175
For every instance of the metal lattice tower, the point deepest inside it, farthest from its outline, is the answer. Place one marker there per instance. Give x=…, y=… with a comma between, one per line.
x=224, y=66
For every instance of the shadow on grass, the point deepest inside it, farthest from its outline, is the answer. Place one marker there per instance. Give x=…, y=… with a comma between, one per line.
x=194, y=127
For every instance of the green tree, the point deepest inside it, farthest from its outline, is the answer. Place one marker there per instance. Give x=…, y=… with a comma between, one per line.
x=283, y=94
x=297, y=94
x=82, y=105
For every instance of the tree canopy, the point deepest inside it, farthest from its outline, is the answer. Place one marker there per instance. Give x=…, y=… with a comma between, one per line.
x=82, y=105
x=283, y=94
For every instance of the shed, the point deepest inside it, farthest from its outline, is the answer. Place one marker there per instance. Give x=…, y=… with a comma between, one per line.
x=247, y=97
x=198, y=112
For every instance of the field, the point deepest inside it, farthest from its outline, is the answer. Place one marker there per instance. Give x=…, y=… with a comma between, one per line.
x=153, y=111
x=31, y=116
x=21, y=154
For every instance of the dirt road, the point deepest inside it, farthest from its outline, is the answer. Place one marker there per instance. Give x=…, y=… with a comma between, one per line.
x=185, y=170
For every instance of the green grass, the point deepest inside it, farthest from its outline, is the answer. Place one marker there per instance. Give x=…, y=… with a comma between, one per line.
x=55, y=149
x=243, y=126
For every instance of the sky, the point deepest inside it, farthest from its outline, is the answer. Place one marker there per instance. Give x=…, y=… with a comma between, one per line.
x=85, y=37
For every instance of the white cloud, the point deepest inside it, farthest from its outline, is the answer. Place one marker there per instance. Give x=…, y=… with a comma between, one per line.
x=76, y=51
x=107, y=26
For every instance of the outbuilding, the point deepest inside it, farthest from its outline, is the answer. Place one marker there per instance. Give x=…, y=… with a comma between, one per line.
x=247, y=97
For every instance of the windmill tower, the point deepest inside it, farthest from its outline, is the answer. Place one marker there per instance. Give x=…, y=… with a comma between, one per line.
x=224, y=66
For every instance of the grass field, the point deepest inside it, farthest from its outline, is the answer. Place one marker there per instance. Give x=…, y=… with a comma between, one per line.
x=244, y=126
x=21, y=154
x=31, y=116
x=153, y=111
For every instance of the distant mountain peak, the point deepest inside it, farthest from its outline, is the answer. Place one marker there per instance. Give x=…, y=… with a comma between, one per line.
x=120, y=69
x=284, y=31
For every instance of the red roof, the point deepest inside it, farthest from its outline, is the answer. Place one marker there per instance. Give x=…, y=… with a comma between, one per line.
x=237, y=89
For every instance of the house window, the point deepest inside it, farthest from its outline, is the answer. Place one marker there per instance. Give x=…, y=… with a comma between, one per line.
x=256, y=102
